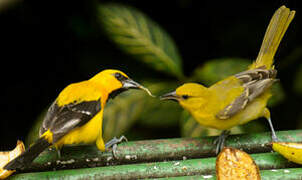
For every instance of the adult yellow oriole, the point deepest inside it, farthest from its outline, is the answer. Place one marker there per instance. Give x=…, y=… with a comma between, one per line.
x=242, y=97
x=76, y=115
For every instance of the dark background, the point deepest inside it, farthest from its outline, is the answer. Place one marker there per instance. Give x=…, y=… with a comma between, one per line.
x=48, y=45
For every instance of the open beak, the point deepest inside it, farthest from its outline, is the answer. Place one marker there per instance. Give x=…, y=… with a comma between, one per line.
x=130, y=84
x=170, y=96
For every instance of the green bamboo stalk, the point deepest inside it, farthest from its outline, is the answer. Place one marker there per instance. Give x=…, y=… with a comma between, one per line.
x=154, y=151
x=190, y=167
x=284, y=174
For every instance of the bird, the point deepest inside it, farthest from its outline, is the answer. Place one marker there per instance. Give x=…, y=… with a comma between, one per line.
x=242, y=97
x=76, y=115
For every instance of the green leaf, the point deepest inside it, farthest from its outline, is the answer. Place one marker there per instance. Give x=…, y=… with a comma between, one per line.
x=278, y=95
x=158, y=113
x=140, y=37
x=122, y=112
x=218, y=69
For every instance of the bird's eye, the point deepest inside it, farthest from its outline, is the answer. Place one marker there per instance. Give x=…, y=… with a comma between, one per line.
x=185, y=96
x=119, y=77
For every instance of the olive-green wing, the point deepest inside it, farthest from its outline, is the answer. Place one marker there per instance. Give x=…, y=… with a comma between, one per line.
x=255, y=83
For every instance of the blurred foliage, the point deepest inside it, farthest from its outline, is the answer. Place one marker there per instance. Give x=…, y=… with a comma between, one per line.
x=140, y=37
x=218, y=69
x=118, y=117
x=157, y=114
x=138, y=106
x=34, y=131
x=298, y=81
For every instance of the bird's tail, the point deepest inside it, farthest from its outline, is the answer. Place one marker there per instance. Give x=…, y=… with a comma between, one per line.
x=273, y=35
x=28, y=156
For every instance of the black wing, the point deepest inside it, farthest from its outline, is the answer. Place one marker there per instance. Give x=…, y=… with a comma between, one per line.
x=61, y=120
x=255, y=82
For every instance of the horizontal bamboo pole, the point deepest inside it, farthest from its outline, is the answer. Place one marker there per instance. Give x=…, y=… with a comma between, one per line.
x=190, y=167
x=155, y=151
x=284, y=174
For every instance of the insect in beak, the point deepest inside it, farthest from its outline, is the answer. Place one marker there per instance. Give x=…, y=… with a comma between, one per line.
x=130, y=84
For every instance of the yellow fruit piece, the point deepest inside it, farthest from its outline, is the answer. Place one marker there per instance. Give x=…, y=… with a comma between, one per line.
x=234, y=164
x=7, y=156
x=291, y=151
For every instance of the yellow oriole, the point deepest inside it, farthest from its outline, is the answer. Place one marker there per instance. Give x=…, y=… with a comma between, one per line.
x=76, y=115
x=242, y=97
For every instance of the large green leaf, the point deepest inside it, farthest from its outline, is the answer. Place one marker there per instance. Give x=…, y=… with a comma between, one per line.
x=217, y=69
x=141, y=37
x=159, y=114
x=122, y=112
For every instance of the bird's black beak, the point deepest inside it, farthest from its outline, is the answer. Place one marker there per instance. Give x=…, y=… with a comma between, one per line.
x=170, y=96
x=130, y=84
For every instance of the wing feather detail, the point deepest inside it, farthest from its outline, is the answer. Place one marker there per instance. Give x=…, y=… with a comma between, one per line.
x=62, y=119
x=255, y=83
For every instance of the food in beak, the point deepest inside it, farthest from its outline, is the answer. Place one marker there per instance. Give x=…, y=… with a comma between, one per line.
x=129, y=83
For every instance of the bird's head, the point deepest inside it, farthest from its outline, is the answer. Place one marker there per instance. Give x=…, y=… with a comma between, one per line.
x=116, y=82
x=190, y=96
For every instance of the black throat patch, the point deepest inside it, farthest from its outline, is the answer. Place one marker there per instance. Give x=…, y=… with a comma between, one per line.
x=116, y=92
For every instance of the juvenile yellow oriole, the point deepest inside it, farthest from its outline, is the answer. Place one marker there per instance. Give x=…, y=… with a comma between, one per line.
x=76, y=115
x=242, y=97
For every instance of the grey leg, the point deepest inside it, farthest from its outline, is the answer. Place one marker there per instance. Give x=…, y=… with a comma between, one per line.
x=274, y=136
x=220, y=140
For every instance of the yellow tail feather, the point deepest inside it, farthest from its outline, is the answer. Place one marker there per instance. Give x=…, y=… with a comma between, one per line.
x=273, y=35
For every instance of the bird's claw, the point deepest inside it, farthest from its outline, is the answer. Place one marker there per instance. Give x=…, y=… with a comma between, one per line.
x=219, y=141
x=113, y=143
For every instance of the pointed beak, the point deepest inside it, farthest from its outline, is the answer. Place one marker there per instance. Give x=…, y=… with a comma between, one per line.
x=130, y=84
x=170, y=96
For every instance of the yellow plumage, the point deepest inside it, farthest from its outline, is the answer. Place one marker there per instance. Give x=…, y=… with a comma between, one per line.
x=273, y=36
x=96, y=89
x=87, y=134
x=240, y=98
x=76, y=116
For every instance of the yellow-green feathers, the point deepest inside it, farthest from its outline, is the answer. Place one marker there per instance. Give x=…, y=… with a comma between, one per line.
x=273, y=35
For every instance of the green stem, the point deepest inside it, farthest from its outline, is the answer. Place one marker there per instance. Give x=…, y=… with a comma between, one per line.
x=204, y=166
x=155, y=150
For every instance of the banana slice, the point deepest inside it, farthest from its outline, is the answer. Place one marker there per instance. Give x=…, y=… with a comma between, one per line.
x=291, y=151
x=233, y=164
x=7, y=156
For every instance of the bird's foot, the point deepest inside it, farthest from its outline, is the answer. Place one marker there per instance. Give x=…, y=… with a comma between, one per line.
x=274, y=137
x=219, y=141
x=113, y=143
